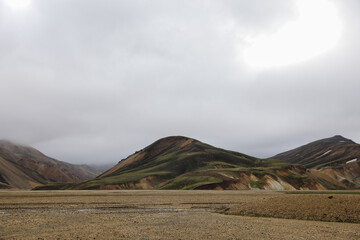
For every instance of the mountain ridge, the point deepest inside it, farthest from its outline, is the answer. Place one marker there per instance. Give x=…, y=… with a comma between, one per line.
x=25, y=167
x=324, y=152
x=334, y=159
x=178, y=162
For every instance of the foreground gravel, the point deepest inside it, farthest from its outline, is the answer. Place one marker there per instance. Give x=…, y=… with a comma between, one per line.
x=318, y=207
x=151, y=215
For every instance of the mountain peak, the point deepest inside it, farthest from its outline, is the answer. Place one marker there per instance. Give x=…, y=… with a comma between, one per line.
x=160, y=146
x=339, y=139
x=331, y=151
x=172, y=141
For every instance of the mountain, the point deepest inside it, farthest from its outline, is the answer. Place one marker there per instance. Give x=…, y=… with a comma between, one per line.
x=25, y=167
x=334, y=159
x=185, y=163
x=13, y=175
x=332, y=151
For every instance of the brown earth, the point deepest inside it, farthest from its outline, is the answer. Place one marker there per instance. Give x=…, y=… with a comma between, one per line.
x=161, y=215
x=13, y=175
x=319, y=207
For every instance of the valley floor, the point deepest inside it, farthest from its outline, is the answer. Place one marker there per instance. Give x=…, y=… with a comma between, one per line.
x=176, y=215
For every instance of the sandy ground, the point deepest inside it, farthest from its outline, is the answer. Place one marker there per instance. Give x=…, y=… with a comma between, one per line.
x=318, y=207
x=154, y=215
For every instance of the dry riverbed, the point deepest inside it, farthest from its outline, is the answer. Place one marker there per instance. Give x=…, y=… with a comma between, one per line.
x=176, y=215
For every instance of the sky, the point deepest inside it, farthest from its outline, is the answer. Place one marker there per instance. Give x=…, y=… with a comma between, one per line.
x=92, y=82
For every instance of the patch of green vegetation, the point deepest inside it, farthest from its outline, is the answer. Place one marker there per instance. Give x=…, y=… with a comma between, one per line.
x=123, y=178
x=327, y=162
x=55, y=186
x=259, y=172
x=191, y=182
x=332, y=163
x=271, y=163
x=218, y=166
x=222, y=163
x=256, y=184
x=296, y=180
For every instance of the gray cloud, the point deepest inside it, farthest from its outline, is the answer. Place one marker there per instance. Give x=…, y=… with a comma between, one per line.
x=90, y=81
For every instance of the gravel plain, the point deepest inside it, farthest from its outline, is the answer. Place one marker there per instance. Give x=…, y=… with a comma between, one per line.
x=165, y=215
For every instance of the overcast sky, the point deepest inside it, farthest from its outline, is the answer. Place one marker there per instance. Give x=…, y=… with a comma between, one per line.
x=88, y=81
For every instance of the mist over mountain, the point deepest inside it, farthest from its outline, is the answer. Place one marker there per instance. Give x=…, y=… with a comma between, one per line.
x=25, y=167
x=113, y=76
x=179, y=162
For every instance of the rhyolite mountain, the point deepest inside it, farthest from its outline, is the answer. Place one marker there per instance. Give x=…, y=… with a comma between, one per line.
x=332, y=151
x=185, y=163
x=24, y=167
x=334, y=159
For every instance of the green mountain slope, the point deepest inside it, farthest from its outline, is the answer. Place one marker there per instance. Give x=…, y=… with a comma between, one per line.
x=185, y=163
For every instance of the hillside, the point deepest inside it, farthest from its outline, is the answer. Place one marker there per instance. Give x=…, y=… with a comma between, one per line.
x=25, y=167
x=334, y=159
x=185, y=163
x=13, y=175
x=332, y=151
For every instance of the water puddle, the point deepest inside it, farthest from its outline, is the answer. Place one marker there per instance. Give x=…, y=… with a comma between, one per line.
x=119, y=210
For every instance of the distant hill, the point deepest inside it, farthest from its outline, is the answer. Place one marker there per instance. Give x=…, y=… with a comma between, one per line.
x=24, y=167
x=13, y=175
x=332, y=151
x=185, y=163
x=334, y=160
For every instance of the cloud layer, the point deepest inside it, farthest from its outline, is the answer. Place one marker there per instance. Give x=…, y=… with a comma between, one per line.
x=92, y=82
